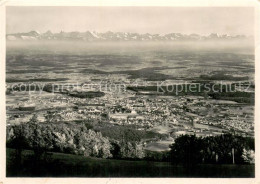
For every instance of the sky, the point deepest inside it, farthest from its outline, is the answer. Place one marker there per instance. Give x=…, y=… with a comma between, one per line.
x=154, y=20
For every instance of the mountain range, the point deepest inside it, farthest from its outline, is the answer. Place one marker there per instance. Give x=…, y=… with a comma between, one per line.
x=118, y=36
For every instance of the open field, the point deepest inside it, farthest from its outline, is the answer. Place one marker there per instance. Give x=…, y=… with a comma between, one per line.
x=62, y=165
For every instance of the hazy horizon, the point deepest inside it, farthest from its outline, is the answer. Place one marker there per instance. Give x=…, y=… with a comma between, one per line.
x=153, y=20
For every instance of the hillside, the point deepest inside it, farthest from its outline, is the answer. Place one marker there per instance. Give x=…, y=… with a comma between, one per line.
x=60, y=165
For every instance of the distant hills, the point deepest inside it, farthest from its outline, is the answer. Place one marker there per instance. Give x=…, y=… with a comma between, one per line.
x=119, y=36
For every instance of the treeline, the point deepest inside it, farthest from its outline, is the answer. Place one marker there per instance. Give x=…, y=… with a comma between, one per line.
x=215, y=91
x=223, y=149
x=198, y=88
x=190, y=150
x=50, y=88
x=58, y=138
x=238, y=96
x=126, y=144
x=223, y=76
x=128, y=133
x=87, y=94
x=74, y=139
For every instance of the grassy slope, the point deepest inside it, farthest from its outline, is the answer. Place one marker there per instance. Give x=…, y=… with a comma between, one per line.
x=67, y=165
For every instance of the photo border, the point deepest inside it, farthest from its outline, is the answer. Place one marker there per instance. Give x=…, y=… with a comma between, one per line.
x=175, y=3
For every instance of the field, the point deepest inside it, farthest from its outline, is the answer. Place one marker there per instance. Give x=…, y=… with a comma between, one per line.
x=47, y=62
x=62, y=165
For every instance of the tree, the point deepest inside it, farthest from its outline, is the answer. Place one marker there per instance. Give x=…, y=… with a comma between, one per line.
x=18, y=142
x=248, y=156
x=186, y=150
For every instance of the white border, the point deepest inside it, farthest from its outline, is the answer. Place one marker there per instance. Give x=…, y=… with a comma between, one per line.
x=175, y=3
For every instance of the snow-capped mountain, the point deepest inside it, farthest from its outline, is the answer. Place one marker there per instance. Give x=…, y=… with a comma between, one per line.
x=32, y=35
x=117, y=36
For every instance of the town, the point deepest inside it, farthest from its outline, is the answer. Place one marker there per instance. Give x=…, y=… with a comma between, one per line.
x=145, y=110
